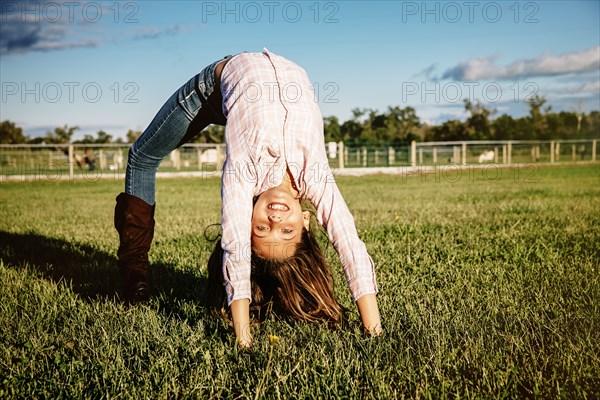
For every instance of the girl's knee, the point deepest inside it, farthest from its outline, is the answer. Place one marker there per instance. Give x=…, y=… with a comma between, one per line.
x=138, y=159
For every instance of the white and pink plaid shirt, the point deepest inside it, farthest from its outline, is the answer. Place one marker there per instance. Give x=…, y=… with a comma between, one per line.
x=274, y=122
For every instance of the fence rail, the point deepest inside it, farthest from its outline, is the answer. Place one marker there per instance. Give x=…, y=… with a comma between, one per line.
x=92, y=159
x=464, y=153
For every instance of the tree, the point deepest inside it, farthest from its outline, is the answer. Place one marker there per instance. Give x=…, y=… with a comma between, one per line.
x=402, y=123
x=374, y=127
x=505, y=128
x=478, y=126
x=11, y=133
x=353, y=128
x=210, y=134
x=537, y=117
x=86, y=139
x=449, y=131
x=61, y=135
x=590, y=125
x=103, y=137
x=133, y=135
x=332, y=129
x=36, y=140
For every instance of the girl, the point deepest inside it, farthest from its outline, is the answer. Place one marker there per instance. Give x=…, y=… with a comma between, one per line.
x=275, y=157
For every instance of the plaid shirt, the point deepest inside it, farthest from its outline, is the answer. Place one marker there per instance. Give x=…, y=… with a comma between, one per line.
x=273, y=121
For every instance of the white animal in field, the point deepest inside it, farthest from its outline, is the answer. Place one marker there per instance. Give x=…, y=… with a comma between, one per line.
x=486, y=156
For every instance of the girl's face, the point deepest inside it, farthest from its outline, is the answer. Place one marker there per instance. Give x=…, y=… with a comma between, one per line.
x=277, y=223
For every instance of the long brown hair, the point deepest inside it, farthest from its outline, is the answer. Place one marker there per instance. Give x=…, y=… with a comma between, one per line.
x=300, y=286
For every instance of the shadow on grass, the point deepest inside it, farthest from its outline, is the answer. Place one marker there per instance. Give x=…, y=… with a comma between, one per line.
x=93, y=273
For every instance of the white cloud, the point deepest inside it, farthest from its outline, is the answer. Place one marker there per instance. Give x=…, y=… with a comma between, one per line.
x=544, y=65
x=590, y=87
x=46, y=25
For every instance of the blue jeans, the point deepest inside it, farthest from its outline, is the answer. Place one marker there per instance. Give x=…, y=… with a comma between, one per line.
x=188, y=111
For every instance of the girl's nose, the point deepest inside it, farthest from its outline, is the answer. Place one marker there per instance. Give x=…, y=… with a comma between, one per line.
x=274, y=218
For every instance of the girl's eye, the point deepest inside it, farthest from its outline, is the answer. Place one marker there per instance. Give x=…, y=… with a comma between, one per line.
x=287, y=231
x=262, y=228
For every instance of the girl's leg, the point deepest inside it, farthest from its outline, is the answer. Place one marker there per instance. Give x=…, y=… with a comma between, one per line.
x=185, y=114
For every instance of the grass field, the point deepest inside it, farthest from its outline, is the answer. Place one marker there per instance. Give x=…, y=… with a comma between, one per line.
x=489, y=288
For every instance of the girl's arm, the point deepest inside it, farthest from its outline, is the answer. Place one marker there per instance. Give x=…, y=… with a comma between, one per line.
x=235, y=241
x=369, y=314
x=334, y=215
x=240, y=313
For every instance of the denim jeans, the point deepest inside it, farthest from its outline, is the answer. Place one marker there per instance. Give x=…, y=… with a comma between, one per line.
x=188, y=111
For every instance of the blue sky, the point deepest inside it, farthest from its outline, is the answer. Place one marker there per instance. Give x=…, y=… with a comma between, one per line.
x=111, y=65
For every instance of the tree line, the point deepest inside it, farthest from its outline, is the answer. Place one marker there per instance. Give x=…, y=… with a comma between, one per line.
x=395, y=125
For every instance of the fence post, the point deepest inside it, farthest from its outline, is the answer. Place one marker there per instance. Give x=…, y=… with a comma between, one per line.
x=573, y=152
x=496, y=154
x=121, y=158
x=509, y=152
x=341, y=155
x=220, y=156
x=552, y=151
x=532, y=153
x=463, y=159
x=434, y=155
x=391, y=156
x=594, y=150
x=364, y=155
x=199, y=155
x=421, y=155
x=102, y=158
x=71, y=169
x=535, y=153
x=376, y=156
x=345, y=156
x=504, y=151
x=177, y=159
x=413, y=153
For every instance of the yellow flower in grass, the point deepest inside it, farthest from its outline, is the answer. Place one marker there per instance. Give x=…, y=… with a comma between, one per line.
x=273, y=339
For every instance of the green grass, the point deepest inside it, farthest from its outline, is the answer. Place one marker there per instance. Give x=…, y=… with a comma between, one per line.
x=488, y=289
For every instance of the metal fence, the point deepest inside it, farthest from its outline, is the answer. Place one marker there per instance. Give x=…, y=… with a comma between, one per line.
x=72, y=161
x=462, y=153
x=95, y=160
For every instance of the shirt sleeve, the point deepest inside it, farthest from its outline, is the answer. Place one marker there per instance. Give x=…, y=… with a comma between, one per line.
x=236, y=221
x=334, y=215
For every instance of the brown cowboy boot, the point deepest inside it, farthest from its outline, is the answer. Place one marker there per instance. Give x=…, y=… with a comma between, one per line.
x=134, y=220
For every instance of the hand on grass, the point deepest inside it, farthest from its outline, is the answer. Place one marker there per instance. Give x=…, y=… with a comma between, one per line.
x=240, y=313
x=244, y=342
x=374, y=331
x=369, y=314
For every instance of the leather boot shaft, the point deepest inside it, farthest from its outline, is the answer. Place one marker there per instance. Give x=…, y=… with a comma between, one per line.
x=134, y=221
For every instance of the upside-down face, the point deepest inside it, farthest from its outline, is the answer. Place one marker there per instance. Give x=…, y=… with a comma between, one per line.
x=277, y=223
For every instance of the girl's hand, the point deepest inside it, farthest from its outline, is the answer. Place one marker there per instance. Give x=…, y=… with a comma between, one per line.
x=369, y=314
x=244, y=343
x=240, y=313
x=376, y=331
